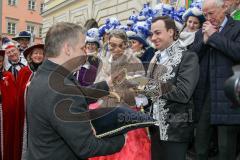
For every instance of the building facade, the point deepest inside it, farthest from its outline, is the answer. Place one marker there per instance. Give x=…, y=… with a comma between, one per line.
x=20, y=15
x=81, y=11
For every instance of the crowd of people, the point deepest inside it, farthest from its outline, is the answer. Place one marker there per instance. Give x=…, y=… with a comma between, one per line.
x=186, y=55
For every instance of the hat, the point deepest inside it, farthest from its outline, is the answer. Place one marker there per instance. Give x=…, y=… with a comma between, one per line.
x=132, y=19
x=145, y=13
x=102, y=30
x=23, y=34
x=176, y=15
x=130, y=33
x=178, y=25
x=123, y=27
x=167, y=10
x=111, y=23
x=92, y=36
x=197, y=3
x=158, y=10
x=141, y=30
x=2, y=53
x=5, y=40
x=139, y=39
x=30, y=49
x=8, y=44
x=195, y=12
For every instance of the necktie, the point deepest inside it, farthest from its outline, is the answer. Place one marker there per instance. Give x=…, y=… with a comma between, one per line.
x=13, y=69
x=158, y=57
x=220, y=28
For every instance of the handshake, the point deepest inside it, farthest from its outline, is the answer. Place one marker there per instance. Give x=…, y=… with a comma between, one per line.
x=132, y=79
x=123, y=83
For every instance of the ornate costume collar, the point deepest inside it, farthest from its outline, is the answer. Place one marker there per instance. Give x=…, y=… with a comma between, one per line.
x=171, y=50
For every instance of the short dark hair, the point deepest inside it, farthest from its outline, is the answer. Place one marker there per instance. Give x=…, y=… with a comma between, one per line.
x=91, y=23
x=60, y=33
x=169, y=24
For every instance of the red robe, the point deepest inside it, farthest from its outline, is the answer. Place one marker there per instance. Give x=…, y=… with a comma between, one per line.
x=23, y=78
x=8, y=91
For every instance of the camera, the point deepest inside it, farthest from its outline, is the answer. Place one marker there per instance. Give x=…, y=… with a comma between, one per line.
x=232, y=86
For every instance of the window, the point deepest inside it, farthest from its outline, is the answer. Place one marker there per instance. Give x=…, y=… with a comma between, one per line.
x=31, y=4
x=12, y=2
x=30, y=29
x=40, y=32
x=41, y=8
x=11, y=28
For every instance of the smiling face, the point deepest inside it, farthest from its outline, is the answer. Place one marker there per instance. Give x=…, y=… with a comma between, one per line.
x=13, y=54
x=37, y=55
x=91, y=47
x=161, y=36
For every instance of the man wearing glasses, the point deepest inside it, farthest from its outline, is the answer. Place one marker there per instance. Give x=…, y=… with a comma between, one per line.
x=14, y=62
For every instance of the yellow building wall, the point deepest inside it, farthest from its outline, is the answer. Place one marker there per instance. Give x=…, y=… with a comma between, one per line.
x=79, y=11
x=53, y=3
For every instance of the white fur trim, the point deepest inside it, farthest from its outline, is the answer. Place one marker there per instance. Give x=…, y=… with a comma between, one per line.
x=91, y=39
x=130, y=33
x=195, y=11
x=142, y=18
x=130, y=22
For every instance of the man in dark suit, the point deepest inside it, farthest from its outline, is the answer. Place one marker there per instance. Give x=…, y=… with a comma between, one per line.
x=174, y=73
x=58, y=122
x=217, y=45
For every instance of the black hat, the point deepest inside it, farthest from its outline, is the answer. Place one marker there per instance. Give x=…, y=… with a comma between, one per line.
x=23, y=34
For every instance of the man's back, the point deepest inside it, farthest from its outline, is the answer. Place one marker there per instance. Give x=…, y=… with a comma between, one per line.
x=52, y=138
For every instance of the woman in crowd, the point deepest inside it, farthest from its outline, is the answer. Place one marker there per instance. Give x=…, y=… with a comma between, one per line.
x=8, y=105
x=174, y=73
x=139, y=45
x=110, y=24
x=88, y=72
x=123, y=61
x=194, y=19
x=35, y=56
